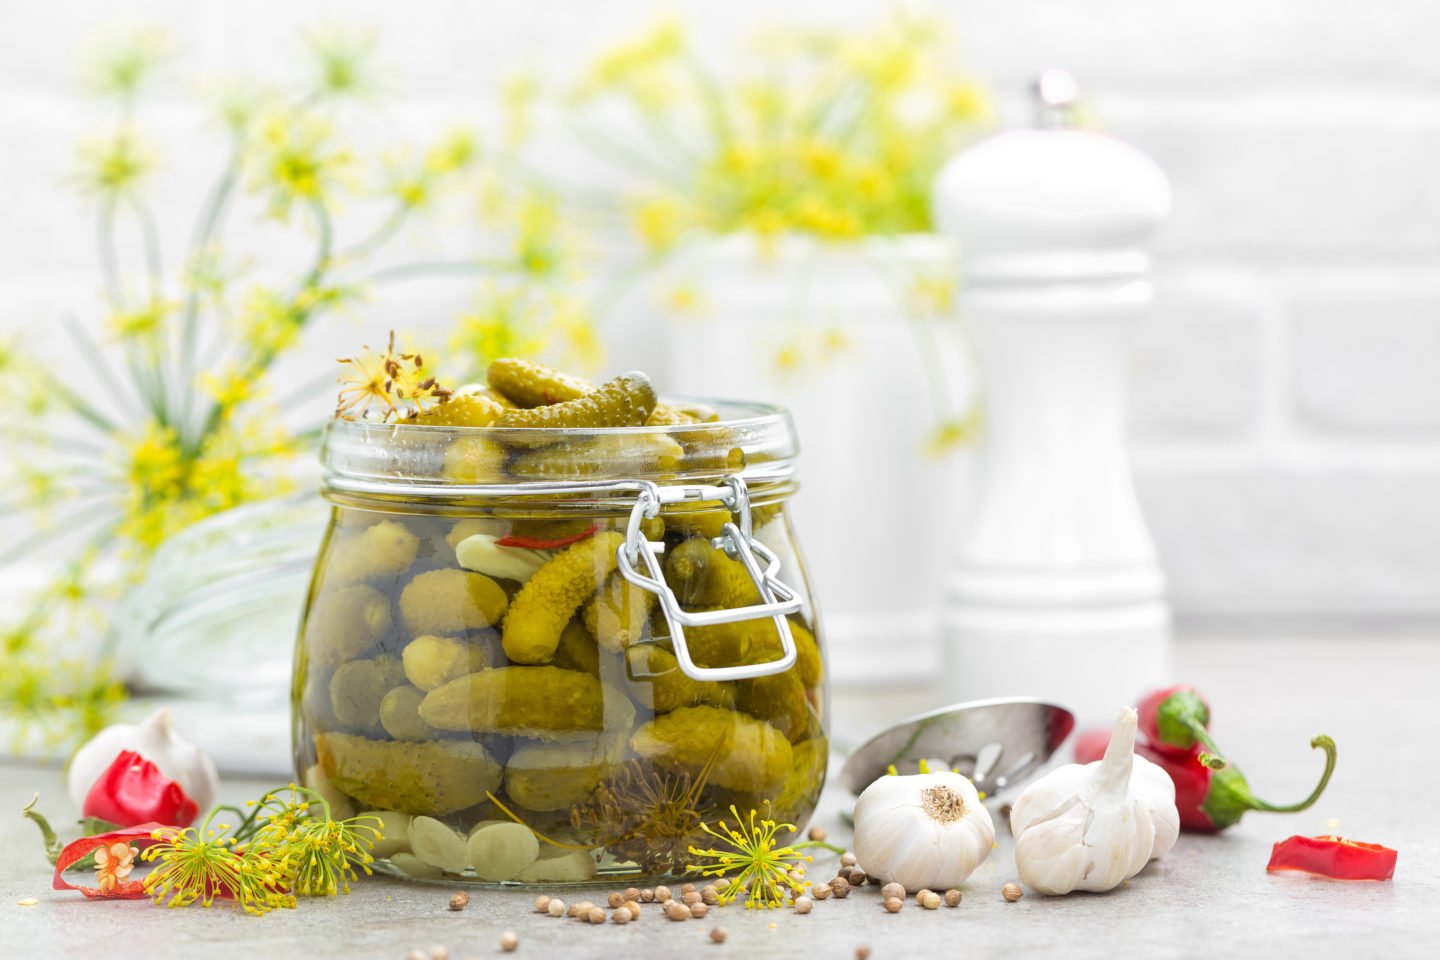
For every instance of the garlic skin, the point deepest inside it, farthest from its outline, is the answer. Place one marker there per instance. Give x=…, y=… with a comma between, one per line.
x=155, y=739
x=1093, y=826
x=924, y=831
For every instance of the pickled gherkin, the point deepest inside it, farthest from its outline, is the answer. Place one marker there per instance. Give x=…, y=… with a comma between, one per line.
x=450, y=601
x=384, y=549
x=731, y=749
x=577, y=649
x=642, y=453
x=346, y=624
x=778, y=699
x=400, y=714
x=432, y=661
x=432, y=779
x=529, y=384
x=465, y=410
x=626, y=401
x=551, y=597
x=616, y=615
x=543, y=703
x=475, y=460
x=556, y=776
x=662, y=686
x=356, y=689
x=702, y=575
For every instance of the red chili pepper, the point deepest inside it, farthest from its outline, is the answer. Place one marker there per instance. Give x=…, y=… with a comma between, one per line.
x=133, y=790
x=1175, y=721
x=74, y=852
x=1334, y=857
x=538, y=543
x=1209, y=800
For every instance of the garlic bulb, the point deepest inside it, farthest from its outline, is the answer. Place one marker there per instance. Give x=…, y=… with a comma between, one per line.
x=155, y=739
x=928, y=830
x=1093, y=826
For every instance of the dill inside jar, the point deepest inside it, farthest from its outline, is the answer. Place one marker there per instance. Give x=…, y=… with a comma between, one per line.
x=554, y=626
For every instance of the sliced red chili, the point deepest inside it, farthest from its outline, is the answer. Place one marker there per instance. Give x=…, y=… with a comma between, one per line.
x=1334, y=857
x=539, y=543
x=75, y=852
x=133, y=790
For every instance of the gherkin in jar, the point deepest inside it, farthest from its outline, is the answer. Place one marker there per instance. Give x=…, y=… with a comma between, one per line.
x=472, y=655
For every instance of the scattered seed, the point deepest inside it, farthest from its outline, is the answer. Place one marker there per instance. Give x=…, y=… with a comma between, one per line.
x=796, y=876
x=709, y=894
x=803, y=904
x=718, y=935
x=817, y=834
x=458, y=901
x=928, y=899
x=597, y=915
x=676, y=910
x=698, y=910
x=952, y=898
x=662, y=894
x=857, y=877
x=893, y=889
x=439, y=952
x=416, y=955
x=621, y=915
x=632, y=894
x=862, y=953
x=893, y=905
x=688, y=888
x=26, y=902
x=691, y=898
x=821, y=890
x=848, y=860
x=634, y=907
x=648, y=896
x=556, y=908
x=1011, y=892
x=508, y=941
x=542, y=903
x=840, y=887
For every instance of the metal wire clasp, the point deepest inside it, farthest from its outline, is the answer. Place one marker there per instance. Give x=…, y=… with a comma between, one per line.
x=738, y=542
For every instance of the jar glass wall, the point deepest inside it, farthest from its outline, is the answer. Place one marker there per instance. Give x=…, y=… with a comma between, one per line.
x=474, y=668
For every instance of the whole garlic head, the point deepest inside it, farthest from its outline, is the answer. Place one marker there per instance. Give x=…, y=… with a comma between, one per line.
x=1093, y=826
x=155, y=739
x=928, y=830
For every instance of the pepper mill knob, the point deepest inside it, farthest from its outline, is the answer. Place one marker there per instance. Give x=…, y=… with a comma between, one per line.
x=1055, y=591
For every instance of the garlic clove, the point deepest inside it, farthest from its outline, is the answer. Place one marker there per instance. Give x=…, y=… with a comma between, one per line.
x=155, y=739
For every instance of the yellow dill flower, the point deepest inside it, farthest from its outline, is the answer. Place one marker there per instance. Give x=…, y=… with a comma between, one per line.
x=660, y=221
x=658, y=44
x=683, y=298
x=114, y=165
x=455, y=151
x=517, y=100
x=575, y=335
x=119, y=64
x=203, y=865
x=229, y=388
x=751, y=861
x=344, y=61
x=267, y=322
x=537, y=240
x=145, y=321
x=502, y=326
x=154, y=464
x=296, y=159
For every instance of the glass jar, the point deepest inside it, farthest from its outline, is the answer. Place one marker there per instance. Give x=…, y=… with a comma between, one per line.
x=548, y=655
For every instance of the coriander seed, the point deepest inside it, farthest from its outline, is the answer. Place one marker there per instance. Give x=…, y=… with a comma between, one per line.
x=632, y=894
x=615, y=899
x=817, y=834
x=820, y=891
x=621, y=916
x=698, y=910
x=840, y=887
x=542, y=904
x=893, y=889
x=688, y=888
x=597, y=915
x=556, y=908
x=893, y=905
x=458, y=901
x=848, y=860
x=717, y=935
x=662, y=894
x=952, y=898
x=509, y=941
x=803, y=904
x=928, y=899
x=647, y=896
x=1011, y=892
x=439, y=952
x=709, y=894
x=862, y=953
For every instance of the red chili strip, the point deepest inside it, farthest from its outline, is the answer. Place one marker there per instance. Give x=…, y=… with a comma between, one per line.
x=1334, y=857
x=74, y=852
x=537, y=543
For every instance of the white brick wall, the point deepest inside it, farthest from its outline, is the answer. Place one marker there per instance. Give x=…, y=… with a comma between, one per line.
x=1286, y=413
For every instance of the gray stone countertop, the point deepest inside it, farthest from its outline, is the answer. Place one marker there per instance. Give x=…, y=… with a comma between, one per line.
x=1210, y=897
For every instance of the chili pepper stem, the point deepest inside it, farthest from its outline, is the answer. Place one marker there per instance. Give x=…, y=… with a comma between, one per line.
x=1212, y=756
x=1322, y=742
x=53, y=846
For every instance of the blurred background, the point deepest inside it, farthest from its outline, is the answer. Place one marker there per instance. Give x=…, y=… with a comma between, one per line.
x=621, y=185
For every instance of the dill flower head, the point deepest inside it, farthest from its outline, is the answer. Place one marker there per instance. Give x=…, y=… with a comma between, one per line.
x=296, y=159
x=344, y=61
x=751, y=861
x=397, y=380
x=120, y=63
x=201, y=865
x=114, y=165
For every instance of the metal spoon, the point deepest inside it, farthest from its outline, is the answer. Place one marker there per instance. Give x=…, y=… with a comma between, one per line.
x=998, y=744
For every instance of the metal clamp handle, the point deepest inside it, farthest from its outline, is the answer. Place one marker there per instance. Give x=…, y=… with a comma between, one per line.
x=738, y=542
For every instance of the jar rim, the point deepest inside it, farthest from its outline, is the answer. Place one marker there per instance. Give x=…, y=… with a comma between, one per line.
x=756, y=441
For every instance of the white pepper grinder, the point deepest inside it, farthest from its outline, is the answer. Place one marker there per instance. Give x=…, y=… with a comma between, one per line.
x=1055, y=591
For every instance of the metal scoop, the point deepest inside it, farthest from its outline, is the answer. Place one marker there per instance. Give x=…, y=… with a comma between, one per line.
x=998, y=744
